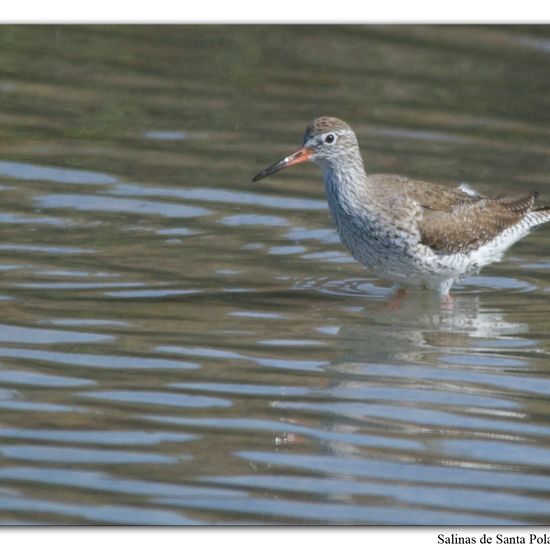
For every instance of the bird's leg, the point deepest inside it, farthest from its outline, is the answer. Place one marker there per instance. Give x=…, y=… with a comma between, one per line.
x=447, y=301
x=395, y=302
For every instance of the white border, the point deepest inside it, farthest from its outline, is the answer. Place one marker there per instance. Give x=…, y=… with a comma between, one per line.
x=274, y=11
x=350, y=538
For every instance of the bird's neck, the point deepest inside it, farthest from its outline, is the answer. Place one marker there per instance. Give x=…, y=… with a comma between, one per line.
x=346, y=184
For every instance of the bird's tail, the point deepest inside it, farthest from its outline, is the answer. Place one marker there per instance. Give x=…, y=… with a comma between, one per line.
x=540, y=215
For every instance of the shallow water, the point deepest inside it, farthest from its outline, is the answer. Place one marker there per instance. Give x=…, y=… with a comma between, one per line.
x=179, y=345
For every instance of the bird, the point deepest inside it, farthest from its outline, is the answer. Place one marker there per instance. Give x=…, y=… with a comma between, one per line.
x=411, y=232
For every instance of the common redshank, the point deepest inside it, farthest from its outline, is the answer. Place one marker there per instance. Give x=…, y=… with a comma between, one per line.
x=408, y=231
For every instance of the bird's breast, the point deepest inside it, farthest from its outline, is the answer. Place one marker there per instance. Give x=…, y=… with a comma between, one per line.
x=368, y=232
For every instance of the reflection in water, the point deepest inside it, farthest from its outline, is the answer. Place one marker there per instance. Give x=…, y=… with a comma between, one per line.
x=181, y=346
x=443, y=418
x=421, y=327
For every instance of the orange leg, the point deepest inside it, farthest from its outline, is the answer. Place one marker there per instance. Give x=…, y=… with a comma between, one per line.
x=447, y=302
x=395, y=302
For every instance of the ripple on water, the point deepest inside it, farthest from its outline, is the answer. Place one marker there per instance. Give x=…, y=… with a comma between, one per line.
x=484, y=360
x=26, y=378
x=290, y=343
x=498, y=283
x=152, y=293
x=353, y=287
x=254, y=219
x=332, y=256
x=423, y=418
x=286, y=250
x=412, y=473
x=213, y=353
x=101, y=437
x=26, y=335
x=322, y=235
x=329, y=512
x=498, y=452
x=178, y=232
x=164, y=399
x=257, y=314
x=453, y=396
x=243, y=389
x=18, y=219
x=124, y=515
x=70, y=285
x=99, y=361
x=277, y=428
x=166, y=135
x=106, y=203
x=291, y=364
x=222, y=196
x=24, y=171
x=99, y=481
x=72, y=322
x=470, y=499
x=39, y=453
x=45, y=249
x=470, y=379
x=37, y=406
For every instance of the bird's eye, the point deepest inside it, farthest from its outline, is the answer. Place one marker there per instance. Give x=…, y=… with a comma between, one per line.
x=330, y=138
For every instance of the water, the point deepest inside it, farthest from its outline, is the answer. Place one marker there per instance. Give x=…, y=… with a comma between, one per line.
x=179, y=345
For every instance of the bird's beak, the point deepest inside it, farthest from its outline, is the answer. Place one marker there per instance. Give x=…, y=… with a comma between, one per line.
x=301, y=155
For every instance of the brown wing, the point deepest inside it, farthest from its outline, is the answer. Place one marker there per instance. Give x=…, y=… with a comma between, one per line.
x=450, y=220
x=465, y=226
x=395, y=191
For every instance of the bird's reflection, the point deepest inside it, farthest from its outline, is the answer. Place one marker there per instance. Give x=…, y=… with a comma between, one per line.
x=421, y=323
x=404, y=371
x=395, y=371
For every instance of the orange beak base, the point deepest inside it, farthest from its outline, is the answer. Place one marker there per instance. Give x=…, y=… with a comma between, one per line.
x=301, y=155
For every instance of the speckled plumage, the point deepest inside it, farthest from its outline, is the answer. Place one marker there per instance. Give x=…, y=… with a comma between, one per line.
x=412, y=232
